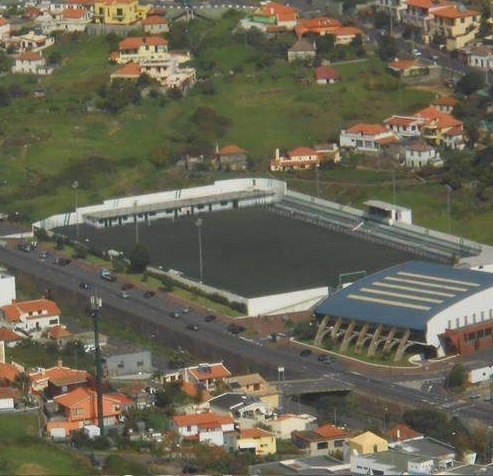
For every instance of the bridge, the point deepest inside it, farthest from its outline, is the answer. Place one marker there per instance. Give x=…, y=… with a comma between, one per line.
x=323, y=385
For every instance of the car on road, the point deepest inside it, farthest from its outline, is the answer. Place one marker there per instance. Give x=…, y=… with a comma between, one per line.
x=123, y=294
x=236, y=329
x=127, y=286
x=107, y=276
x=210, y=318
x=62, y=261
x=174, y=314
x=326, y=359
x=306, y=353
x=416, y=52
x=185, y=310
x=85, y=286
x=149, y=294
x=192, y=327
x=44, y=255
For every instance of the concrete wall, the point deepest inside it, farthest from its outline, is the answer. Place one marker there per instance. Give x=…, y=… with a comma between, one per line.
x=7, y=289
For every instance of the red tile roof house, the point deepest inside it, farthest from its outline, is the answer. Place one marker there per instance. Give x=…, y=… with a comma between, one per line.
x=78, y=408
x=326, y=75
x=299, y=158
x=60, y=334
x=319, y=26
x=205, y=376
x=404, y=126
x=31, y=316
x=31, y=62
x=232, y=157
x=142, y=48
x=58, y=380
x=444, y=104
x=8, y=396
x=8, y=374
x=273, y=14
x=203, y=427
x=366, y=137
x=401, y=432
x=155, y=24
x=10, y=337
x=324, y=440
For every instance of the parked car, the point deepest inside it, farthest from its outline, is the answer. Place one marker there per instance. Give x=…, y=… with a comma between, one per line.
x=415, y=52
x=192, y=327
x=44, y=255
x=107, y=276
x=326, y=359
x=123, y=294
x=149, y=294
x=306, y=353
x=127, y=286
x=62, y=261
x=236, y=329
x=210, y=318
x=85, y=286
x=174, y=314
x=185, y=310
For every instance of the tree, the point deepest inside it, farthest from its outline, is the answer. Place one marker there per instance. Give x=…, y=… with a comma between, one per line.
x=139, y=258
x=470, y=82
x=4, y=97
x=54, y=58
x=387, y=48
x=457, y=377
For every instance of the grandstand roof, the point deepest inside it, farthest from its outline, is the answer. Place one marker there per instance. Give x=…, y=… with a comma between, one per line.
x=407, y=295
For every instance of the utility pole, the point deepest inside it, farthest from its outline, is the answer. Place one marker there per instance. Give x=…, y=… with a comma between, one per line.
x=96, y=305
x=136, y=223
x=75, y=187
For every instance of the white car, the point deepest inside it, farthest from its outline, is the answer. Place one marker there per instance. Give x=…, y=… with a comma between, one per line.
x=416, y=52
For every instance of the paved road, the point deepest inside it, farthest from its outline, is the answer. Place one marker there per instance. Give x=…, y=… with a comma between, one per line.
x=155, y=310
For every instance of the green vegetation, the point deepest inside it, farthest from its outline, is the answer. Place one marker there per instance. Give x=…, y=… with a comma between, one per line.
x=30, y=456
x=18, y=425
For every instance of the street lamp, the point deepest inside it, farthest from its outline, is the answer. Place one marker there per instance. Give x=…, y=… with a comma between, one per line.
x=199, y=223
x=449, y=189
x=75, y=187
x=96, y=305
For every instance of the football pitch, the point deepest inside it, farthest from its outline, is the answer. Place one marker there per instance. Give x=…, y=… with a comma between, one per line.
x=250, y=252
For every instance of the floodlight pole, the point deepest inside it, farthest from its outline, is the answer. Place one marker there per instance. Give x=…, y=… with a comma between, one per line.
x=199, y=223
x=75, y=187
x=449, y=189
x=96, y=304
x=136, y=224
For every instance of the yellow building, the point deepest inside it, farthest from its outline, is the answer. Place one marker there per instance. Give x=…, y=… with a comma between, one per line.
x=255, y=384
x=262, y=442
x=457, y=24
x=366, y=443
x=119, y=12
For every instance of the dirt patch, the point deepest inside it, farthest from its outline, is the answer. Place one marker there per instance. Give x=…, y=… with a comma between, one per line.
x=31, y=468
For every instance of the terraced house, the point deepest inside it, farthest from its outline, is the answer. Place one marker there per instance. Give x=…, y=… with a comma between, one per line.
x=119, y=12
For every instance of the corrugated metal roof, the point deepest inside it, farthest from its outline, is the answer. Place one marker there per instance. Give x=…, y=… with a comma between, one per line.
x=407, y=295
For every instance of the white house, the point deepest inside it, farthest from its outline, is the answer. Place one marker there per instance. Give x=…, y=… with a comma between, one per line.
x=31, y=62
x=299, y=158
x=404, y=126
x=203, y=427
x=7, y=289
x=366, y=137
x=284, y=425
x=155, y=25
x=4, y=29
x=419, y=154
x=67, y=20
x=31, y=316
x=139, y=49
x=7, y=398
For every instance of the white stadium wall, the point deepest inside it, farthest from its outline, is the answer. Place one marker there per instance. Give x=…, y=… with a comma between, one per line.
x=470, y=310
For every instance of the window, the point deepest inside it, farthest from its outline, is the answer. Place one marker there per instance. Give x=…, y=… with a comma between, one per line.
x=121, y=365
x=78, y=411
x=189, y=428
x=140, y=363
x=53, y=322
x=449, y=324
x=457, y=325
x=322, y=445
x=338, y=443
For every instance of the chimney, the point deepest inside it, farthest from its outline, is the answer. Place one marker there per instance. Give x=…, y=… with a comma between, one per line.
x=398, y=434
x=59, y=363
x=2, y=352
x=277, y=153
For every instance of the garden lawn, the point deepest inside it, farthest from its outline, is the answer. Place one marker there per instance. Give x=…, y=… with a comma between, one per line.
x=18, y=424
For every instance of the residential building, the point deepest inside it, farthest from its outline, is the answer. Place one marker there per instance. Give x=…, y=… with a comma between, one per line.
x=400, y=432
x=404, y=126
x=30, y=41
x=32, y=63
x=366, y=137
x=346, y=34
x=255, y=384
x=394, y=8
x=420, y=154
x=441, y=128
x=203, y=427
x=232, y=157
x=8, y=396
x=7, y=288
x=31, y=316
x=408, y=68
x=4, y=29
x=326, y=75
x=119, y=12
x=317, y=26
x=326, y=439
x=306, y=466
x=299, y=158
x=258, y=441
x=139, y=49
x=60, y=334
x=205, y=376
x=67, y=20
x=457, y=24
x=444, y=104
x=155, y=24
x=284, y=425
x=78, y=408
x=9, y=337
x=58, y=380
x=247, y=410
x=366, y=443
x=8, y=374
x=87, y=339
x=302, y=50
x=328, y=151
x=132, y=363
x=272, y=14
